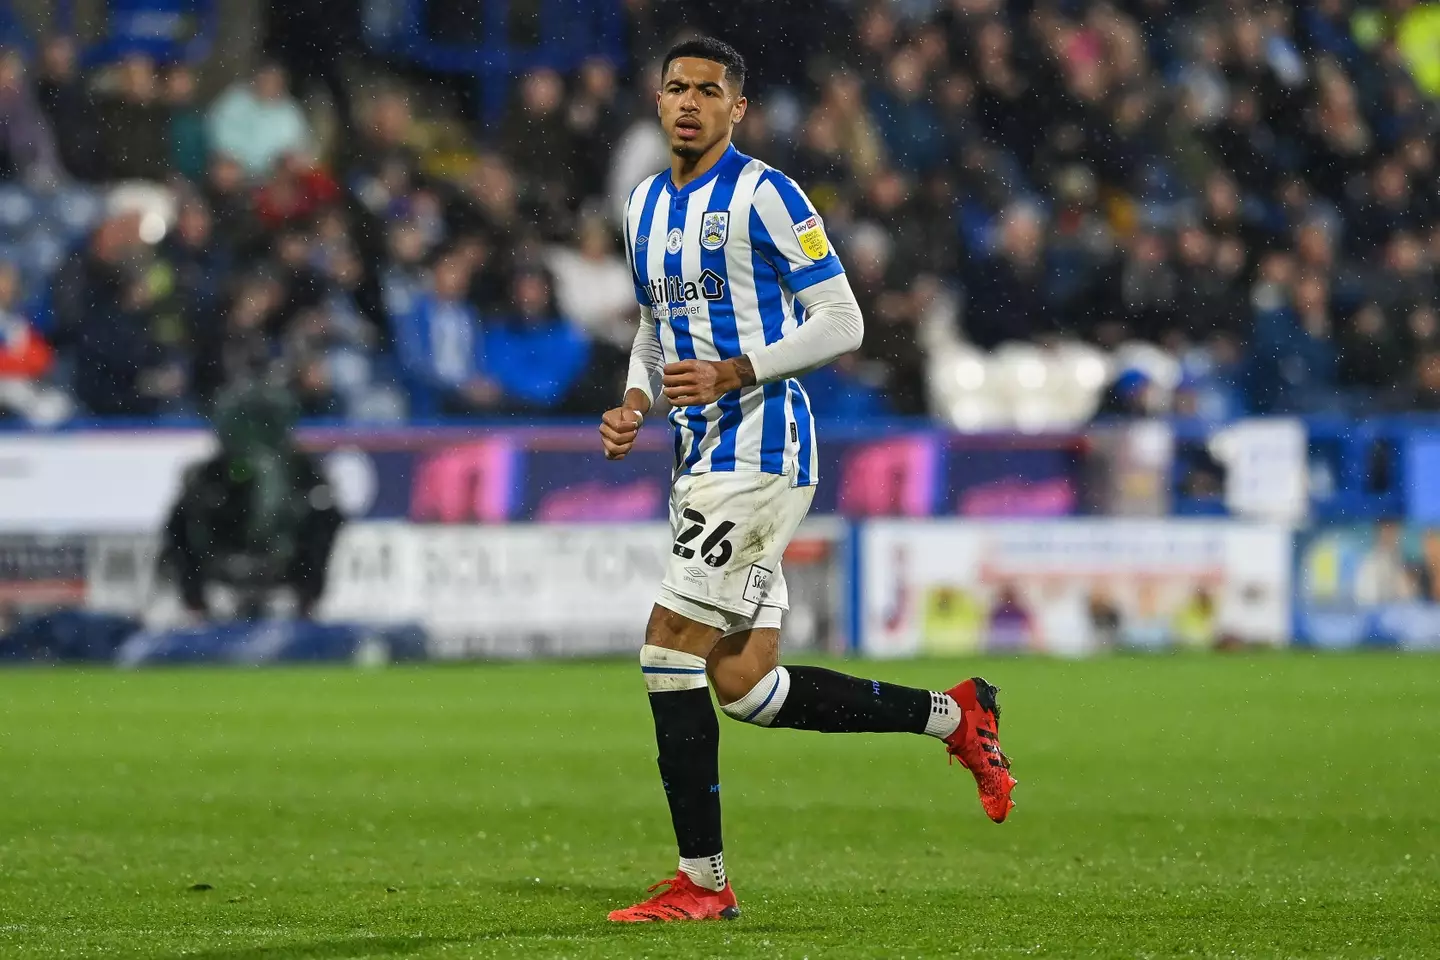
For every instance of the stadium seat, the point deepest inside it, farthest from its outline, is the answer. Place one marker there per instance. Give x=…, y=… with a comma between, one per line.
x=1079, y=375
x=76, y=210
x=960, y=389
x=42, y=252
x=1021, y=374
x=18, y=211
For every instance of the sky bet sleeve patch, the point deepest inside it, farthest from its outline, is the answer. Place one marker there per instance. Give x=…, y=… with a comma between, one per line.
x=811, y=234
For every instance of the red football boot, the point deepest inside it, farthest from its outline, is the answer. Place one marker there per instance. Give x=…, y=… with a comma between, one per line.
x=976, y=743
x=682, y=899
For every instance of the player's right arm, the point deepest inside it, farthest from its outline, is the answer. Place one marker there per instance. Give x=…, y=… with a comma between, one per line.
x=621, y=425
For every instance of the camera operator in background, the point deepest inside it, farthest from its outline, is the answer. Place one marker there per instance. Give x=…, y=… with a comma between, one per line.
x=257, y=518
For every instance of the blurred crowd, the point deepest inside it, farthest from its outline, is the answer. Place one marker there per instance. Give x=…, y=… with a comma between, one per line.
x=1249, y=188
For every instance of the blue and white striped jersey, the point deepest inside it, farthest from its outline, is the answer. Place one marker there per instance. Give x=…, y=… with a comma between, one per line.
x=719, y=262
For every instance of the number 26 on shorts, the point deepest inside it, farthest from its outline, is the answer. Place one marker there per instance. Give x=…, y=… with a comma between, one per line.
x=715, y=549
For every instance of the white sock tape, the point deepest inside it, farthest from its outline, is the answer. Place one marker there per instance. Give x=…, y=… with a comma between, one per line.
x=667, y=670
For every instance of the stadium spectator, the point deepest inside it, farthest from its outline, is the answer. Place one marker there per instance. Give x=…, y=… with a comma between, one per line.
x=897, y=364
x=1404, y=280
x=298, y=190
x=196, y=264
x=641, y=149
x=227, y=194
x=329, y=347
x=1372, y=359
x=27, y=149
x=91, y=277
x=1006, y=293
x=403, y=279
x=845, y=391
x=1210, y=299
x=257, y=123
x=186, y=137
x=441, y=346
x=25, y=357
x=908, y=120
x=231, y=345
x=1149, y=289
x=1418, y=157
x=127, y=371
x=842, y=101
x=538, y=142
x=594, y=120
x=1424, y=329
x=382, y=166
x=593, y=285
x=491, y=206
x=1084, y=170
x=70, y=108
x=134, y=124
x=820, y=162
x=1293, y=359
x=761, y=138
x=537, y=357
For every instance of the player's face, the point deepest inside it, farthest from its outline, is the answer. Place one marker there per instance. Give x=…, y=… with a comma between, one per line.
x=698, y=106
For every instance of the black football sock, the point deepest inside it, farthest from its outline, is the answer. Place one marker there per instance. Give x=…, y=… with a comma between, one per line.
x=831, y=702
x=687, y=733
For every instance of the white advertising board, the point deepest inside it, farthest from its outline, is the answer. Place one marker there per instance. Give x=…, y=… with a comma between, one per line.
x=1071, y=587
x=102, y=482
x=526, y=590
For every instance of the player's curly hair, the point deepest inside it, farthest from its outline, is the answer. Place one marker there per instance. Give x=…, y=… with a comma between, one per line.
x=709, y=48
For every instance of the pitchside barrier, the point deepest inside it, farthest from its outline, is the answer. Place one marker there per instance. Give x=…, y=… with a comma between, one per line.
x=884, y=588
x=1069, y=587
x=525, y=542
x=509, y=591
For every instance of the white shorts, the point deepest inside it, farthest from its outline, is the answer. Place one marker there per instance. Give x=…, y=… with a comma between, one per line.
x=729, y=531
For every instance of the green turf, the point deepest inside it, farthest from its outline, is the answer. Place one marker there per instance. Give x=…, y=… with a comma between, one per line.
x=1269, y=806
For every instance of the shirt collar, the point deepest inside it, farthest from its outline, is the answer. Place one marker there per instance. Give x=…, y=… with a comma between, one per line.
x=726, y=159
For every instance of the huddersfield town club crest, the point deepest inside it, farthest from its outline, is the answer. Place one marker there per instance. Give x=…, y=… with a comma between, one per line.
x=714, y=228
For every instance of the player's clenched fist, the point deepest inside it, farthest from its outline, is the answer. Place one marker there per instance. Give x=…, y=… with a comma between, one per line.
x=618, y=429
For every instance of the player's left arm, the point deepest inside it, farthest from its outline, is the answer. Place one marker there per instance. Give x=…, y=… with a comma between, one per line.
x=790, y=236
x=833, y=327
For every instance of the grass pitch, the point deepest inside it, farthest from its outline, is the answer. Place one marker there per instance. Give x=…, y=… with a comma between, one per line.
x=1268, y=806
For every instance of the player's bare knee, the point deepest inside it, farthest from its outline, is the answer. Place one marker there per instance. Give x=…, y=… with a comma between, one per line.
x=728, y=681
x=739, y=661
x=753, y=701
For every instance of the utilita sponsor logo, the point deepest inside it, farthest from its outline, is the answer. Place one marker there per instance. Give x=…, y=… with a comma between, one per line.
x=664, y=290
